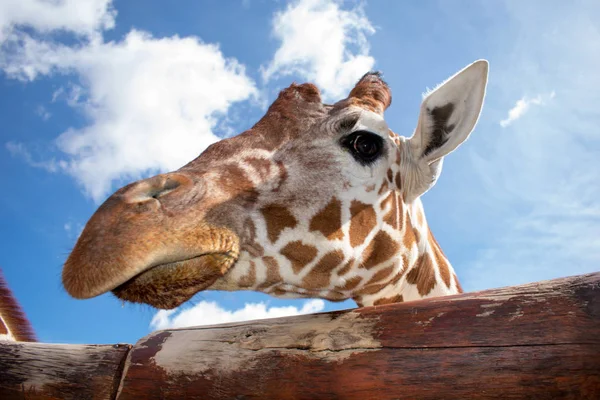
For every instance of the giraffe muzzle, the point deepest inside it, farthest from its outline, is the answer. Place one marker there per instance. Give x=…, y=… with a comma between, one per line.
x=149, y=243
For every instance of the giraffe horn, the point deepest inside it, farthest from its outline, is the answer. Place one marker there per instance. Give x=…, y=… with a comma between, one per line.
x=372, y=92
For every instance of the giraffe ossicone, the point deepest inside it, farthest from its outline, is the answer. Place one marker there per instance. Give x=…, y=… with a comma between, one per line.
x=315, y=200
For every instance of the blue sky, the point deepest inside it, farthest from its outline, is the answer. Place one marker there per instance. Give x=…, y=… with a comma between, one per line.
x=95, y=94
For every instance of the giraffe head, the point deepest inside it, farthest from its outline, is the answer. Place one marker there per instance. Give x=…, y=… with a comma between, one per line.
x=315, y=200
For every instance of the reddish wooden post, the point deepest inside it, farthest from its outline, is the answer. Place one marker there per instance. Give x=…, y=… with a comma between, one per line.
x=535, y=341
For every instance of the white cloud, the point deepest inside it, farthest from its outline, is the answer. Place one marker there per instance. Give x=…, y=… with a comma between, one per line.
x=522, y=106
x=323, y=43
x=20, y=150
x=82, y=17
x=153, y=103
x=43, y=112
x=210, y=313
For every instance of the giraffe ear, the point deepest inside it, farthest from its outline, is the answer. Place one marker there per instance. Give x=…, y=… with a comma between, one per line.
x=448, y=115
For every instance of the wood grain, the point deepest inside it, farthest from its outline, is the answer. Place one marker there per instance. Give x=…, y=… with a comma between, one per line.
x=536, y=341
x=57, y=371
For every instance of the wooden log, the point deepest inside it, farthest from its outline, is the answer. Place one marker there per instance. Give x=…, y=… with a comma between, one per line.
x=60, y=371
x=535, y=341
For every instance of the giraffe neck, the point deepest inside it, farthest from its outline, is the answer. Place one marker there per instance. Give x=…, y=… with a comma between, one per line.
x=395, y=256
x=14, y=326
x=422, y=269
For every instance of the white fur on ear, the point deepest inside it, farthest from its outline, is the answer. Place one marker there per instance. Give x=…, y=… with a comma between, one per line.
x=449, y=112
x=448, y=115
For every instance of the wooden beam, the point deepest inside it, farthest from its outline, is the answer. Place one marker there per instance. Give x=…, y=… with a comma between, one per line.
x=60, y=371
x=537, y=341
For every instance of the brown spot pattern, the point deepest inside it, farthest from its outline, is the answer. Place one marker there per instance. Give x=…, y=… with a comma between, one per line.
x=273, y=275
x=383, y=188
x=371, y=289
x=390, y=175
x=283, y=175
x=249, y=279
x=409, y=238
x=299, y=254
x=346, y=268
x=13, y=319
x=249, y=242
x=458, y=286
x=277, y=219
x=380, y=249
x=441, y=260
x=278, y=292
x=396, y=278
x=249, y=230
x=335, y=296
x=405, y=261
x=350, y=283
x=387, y=202
x=381, y=275
x=3, y=328
x=363, y=220
x=398, y=182
x=320, y=275
x=391, y=217
x=417, y=236
x=389, y=300
x=400, y=269
x=422, y=275
x=233, y=180
x=328, y=221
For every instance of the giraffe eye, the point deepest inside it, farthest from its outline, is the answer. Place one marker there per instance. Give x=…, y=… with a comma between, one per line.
x=364, y=146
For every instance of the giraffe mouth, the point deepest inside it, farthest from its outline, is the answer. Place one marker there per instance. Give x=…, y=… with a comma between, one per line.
x=158, y=266
x=169, y=285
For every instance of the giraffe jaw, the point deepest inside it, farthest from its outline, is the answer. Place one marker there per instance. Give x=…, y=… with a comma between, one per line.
x=167, y=286
x=162, y=267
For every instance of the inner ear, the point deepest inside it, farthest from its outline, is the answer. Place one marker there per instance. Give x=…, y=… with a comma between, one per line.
x=441, y=128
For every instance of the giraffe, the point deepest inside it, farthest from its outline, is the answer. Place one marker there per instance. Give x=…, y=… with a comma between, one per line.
x=14, y=326
x=315, y=200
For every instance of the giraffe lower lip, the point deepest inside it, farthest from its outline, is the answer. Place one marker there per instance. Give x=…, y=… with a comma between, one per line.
x=167, y=286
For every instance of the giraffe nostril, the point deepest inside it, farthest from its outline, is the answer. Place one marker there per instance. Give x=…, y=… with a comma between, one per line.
x=153, y=188
x=168, y=185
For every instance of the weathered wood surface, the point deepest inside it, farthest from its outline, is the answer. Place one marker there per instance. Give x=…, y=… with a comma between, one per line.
x=536, y=341
x=57, y=371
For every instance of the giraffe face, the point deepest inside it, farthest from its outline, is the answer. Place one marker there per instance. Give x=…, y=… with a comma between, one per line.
x=310, y=202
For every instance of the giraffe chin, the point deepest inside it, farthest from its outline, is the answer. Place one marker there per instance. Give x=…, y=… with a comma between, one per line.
x=167, y=286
